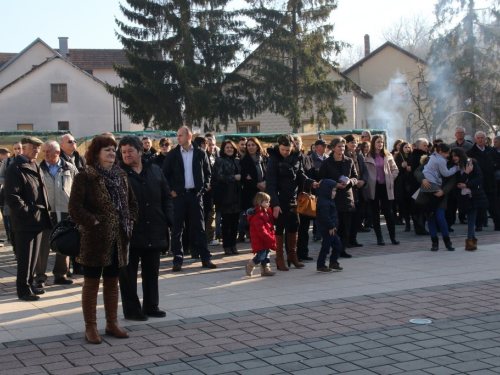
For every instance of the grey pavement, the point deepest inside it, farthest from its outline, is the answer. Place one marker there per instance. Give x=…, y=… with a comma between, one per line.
x=353, y=322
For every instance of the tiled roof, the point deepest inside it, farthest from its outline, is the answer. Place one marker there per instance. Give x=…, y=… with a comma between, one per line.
x=88, y=59
x=4, y=57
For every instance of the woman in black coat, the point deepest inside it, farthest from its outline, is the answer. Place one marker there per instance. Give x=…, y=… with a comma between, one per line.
x=402, y=188
x=227, y=193
x=470, y=195
x=253, y=172
x=341, y=169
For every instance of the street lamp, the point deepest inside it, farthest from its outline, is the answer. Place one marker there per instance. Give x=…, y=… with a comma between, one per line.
x=411, y=116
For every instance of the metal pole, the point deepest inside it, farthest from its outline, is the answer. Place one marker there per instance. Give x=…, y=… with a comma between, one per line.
x=120, y=106
x=114, y=117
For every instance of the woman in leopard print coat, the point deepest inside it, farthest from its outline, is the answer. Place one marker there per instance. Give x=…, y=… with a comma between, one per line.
x=102, y=202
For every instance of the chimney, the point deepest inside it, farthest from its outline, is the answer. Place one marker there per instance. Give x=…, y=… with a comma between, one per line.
x=63, y=46
x=367, y=45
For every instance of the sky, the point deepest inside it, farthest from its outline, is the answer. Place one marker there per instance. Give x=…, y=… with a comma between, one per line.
x=91, y=23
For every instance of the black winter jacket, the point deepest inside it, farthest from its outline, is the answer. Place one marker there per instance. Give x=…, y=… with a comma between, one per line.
x=330, y=170
x=158, y=159
x=26, y=195
x=226, y=190
x=416, y=156
x=284, y=176
x=79, y=160
x=488, y=162
x=173, y=168
x=155, y=206
x=249, y=168
x=326, y=211
x=362, y=172
x=474, y=181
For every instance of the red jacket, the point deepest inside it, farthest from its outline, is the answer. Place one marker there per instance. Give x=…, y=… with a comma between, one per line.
x=261, y=229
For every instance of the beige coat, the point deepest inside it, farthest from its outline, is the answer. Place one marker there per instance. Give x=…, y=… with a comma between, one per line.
x=391, y=172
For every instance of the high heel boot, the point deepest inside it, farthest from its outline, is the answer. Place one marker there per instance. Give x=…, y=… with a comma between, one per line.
x=292, y=250
x=90, y=290
x=280, y=256
x=110, y=295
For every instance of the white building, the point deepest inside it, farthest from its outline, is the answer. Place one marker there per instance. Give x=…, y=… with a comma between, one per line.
x=47, y=89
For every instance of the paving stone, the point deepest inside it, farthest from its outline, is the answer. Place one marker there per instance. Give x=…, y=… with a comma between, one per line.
x=483, y=344
x=292, y=367
x=354, y=356
x=254, y=363
x=232, y=358
x=430, y=352
x=456, y=348
x=174, y=367
x=314, y=371
x=376, y=352
x=267, y=370
x=295, y=348
x=322, y=361
x=466, y=367
x=386, y=370
x=284, y=358
x=441, y=370
x=418, y=364
x=334, y=350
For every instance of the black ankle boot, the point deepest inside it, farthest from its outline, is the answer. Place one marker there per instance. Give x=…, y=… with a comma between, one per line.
x=435, y=244
x=380, y=241
x=448, y=244
x=394, y=240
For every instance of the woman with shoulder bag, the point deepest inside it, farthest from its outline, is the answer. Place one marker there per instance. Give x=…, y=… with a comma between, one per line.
x=227, y=194
x=105, y=215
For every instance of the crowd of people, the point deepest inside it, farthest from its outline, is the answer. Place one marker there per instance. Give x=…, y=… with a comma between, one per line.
x=133, y=203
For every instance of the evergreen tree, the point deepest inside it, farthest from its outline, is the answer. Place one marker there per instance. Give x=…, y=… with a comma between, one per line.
x=178, y=53
x=465, y=62
x=290, y=71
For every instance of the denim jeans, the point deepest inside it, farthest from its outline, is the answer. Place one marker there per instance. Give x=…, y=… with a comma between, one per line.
x=439, y=215
x=471, y=223
x=327, y=243
x=261, y=257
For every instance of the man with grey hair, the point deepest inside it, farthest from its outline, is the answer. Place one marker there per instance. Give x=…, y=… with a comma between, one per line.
x=69, y=153
x=58, y=175
x=461, y=141
x=489, y=162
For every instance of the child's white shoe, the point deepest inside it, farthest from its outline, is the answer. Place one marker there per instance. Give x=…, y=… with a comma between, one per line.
x=266, y=270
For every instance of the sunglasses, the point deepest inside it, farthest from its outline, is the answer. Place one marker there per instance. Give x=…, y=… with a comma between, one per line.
x=71, y=141
x=164, y=144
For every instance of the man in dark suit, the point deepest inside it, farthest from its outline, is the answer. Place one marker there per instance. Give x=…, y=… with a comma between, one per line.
x=27, y=198
x=187, y=171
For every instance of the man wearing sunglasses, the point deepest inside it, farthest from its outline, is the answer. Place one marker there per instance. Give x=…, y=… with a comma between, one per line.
x=69, y=153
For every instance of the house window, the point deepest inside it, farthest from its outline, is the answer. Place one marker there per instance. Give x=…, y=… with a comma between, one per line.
x=24, y=126
x=249, y=127
x=59, y=93
x=63, y=125
x=399, y=92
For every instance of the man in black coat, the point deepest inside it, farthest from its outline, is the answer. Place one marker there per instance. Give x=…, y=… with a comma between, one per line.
x=488, y=161
x=188, y=174
x=27, y=198
x=149, y=237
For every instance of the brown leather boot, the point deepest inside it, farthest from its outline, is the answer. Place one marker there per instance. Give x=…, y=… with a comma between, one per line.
x=90, y=290
x=110, y=295
x=470, y=245
x=280, y=259
x=292, y=250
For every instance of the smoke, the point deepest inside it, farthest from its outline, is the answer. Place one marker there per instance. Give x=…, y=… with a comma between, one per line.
x=390, y=108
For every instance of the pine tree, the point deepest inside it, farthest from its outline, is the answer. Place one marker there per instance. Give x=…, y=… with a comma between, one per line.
x=179, y=52
x=464, y=59
x=290, y=71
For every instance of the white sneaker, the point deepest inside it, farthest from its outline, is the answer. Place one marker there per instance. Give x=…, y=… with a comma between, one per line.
x=214, y=243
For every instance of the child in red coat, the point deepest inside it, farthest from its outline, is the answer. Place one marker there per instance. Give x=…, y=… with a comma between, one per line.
x=262, y=235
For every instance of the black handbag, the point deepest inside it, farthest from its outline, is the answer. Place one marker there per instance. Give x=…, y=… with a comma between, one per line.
x=65, y=237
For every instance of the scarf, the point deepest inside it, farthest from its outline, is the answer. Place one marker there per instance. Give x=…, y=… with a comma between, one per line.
x=118, y=194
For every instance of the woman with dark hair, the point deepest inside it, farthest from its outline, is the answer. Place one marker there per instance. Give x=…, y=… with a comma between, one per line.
x=402, y=195
x=201, y=142
x=341, y=169
x=382, y=171
x=285, y=175
x=364, y=147
x=227, y=194
x=471, y=195
x=159, y=158
x=103, y=204
x=253, y=172
x=437, y=178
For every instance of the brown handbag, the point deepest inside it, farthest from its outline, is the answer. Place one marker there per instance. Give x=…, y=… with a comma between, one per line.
x=306, y=203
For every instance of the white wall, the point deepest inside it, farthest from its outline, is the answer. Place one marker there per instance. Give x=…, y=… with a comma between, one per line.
x=36, y=55
x=89, y=109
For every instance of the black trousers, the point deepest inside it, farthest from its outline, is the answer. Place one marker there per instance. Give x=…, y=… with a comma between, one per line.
x=356, y=221
x=150, y=271
x=189, y=205
x=382, y=201
x=492, y=209
x=344, y=229
x=287, y=220
x=229, y=228
x=303, y=240
x=27, y=248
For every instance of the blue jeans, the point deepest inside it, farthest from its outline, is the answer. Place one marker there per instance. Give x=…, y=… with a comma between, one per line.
x=327, y=243
x=261, y=256
x=471, y=223
x=439, y=215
